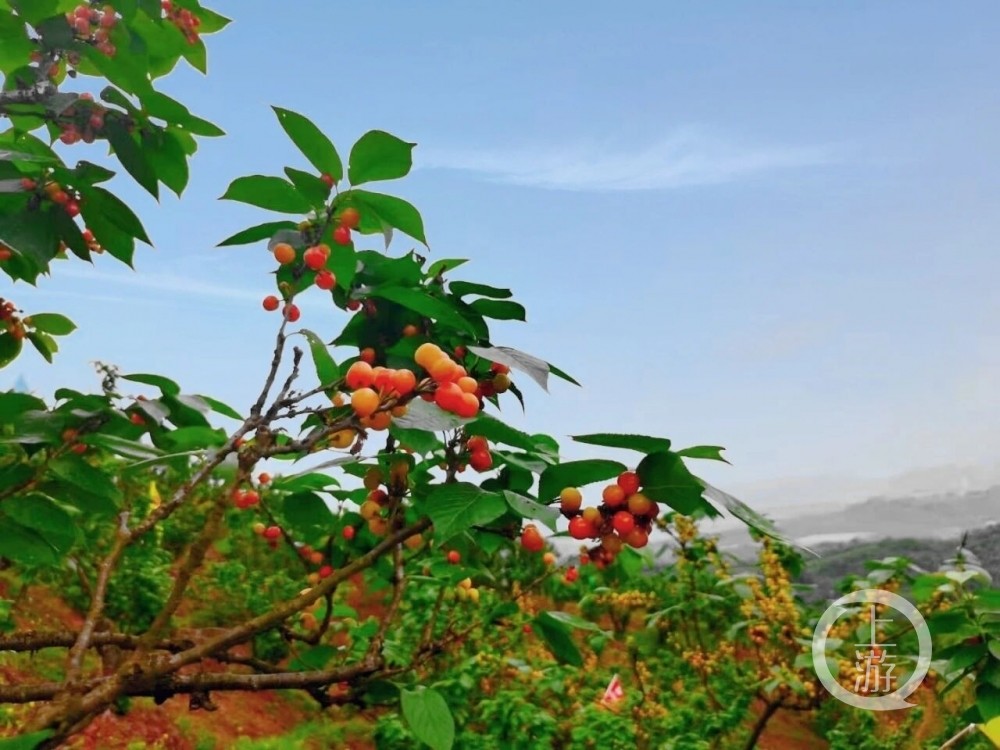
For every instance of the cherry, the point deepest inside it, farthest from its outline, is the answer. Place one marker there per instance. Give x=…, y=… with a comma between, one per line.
x=342, y=236
x=448, y=396
x=454, y=557
x=410, y=330
x=353, y=305
x=467, y=384
x=501, y=382
x=325, y=572
x=364, y=401
x=284, y=253
x=325, y=280
x=613, y=495
x=549, y=558
x=403, y=382
x=629, y=481
x=623, y=522
x=570, y=500
x=468, y=407
x=581, y=528
x=259, y=528
x=250, y=498
x=459, y=352
x=292, y=313
x=498, y=369
x=28, y=184
x=270, y=303
x=531, y=539
x=272, y=533
x=477, y=443
x=348, y=533
x=637, y=538
x=349, y=218
x=572, y=574
x=314, y=258
x=359, y=375
x=427, y=354
x=136, y=419
x=527, y=629
x=367, y=355
x=593, y=516
x=72, y=208
x=264, y=478
x=481, y=461
x=316, y=558
x=327, y=180
x=639, y=504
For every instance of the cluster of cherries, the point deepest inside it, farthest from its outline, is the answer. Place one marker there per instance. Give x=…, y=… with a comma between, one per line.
x=371, y=386
x=314, y=258
x=183, y=19
x=456, y=391
x=93, y=26
x=10, y=320
x=68, y=199
x=82, y=121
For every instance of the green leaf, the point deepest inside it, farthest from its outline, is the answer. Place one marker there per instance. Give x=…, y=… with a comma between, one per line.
x=498, y=309
x=161, y=106
x=31, y=234
x=666, y=479
x=75, y=471
x=747, y=514
x=557, y=637
x=326, y=369
x=528, y=508
x=25, y=546
x=310, y=186
x=456, y=507
x=311, y=141
x=272, y=193
x=988, y=701
x=710, y=452
x=122, y=446
x=574, y=621
x=53, y=323
x=44, y=344
x=393, y=211
x=575, y=474
x=255, y=234
x=42, y=514
x=444, y=265
x=463, y=288
x=421, y=302
x=14, y=404
x=194, y=438
x=166, y=385
x=220, y=408
x=641, y=443
x=131, y=156
x=307, y=511
x=25, y=741
x=428, y=717
x=379, y=156
x=10, y=347
x=420, y=441
x=166, y=153
x=316, y=657
x=496, y=431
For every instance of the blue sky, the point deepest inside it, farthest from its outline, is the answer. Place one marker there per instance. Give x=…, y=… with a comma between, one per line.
x=769, y=226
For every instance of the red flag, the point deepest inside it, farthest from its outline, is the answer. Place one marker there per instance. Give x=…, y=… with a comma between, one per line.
x=614, y=693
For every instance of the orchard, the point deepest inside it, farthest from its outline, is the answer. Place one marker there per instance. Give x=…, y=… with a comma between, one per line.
x=367, y=540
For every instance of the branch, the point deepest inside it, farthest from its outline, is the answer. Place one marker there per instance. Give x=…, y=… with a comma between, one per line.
x=35, y=640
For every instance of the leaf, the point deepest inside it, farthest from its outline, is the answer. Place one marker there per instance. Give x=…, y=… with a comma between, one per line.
x=528, y=508
x=456, y=507
x=122, y=446
x=428, y=717
x=115, y=211
x=393, y=211
x=496, y=431
x=312, y=142
x=257, y=233
x=574, y=621
x=463, y=288
x=14, y=404
x=25, y=741
x=131, y=155
x=272, y=193
x=557, y=638
x=641, y=443
x=220, y=408
x=306, y=510
x=10, y=347
x=194, y=438
x=421, y=302
x=498, y=309
x=575, y=474
x=710, y=452
x=988, y=701
x=24, y=545
x=75, y=471
x=316, y=657
x=309, y=185
x=42, y=514
x=166, y=385
x=44, y=344
x=991, y=729
x=326, y=369
x=444, y=265
x=537, y=369
x=53, y=323
x=161, y=106
x=379, y=156
x=748, y=515
x=428, y=417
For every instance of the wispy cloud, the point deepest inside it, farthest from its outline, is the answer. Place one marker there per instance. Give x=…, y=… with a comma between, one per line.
x=164, y=282
x=685, y=158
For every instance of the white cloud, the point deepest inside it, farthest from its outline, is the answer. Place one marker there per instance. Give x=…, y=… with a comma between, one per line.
x=685, y=158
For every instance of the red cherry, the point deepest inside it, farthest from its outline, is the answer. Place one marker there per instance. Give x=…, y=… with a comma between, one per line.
x=292, y=313
x=28, y=184
x=350, y=218
x=88, y=236
x=314, y=258
x=326, y=280
x=270, y=303
x=481, y=460
x=72, y=208
x=623, y=522
x=531, y=539
x=272, y=533
x=136, y=419
x=342, y=236
x=353, y=305
x=572, y=574
x=348, y=533
x=629, y=481
x=477, y=443
x=581, y=528
x=250, y=498
x=454, y=557
x=325, y=572
x=327, y=179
